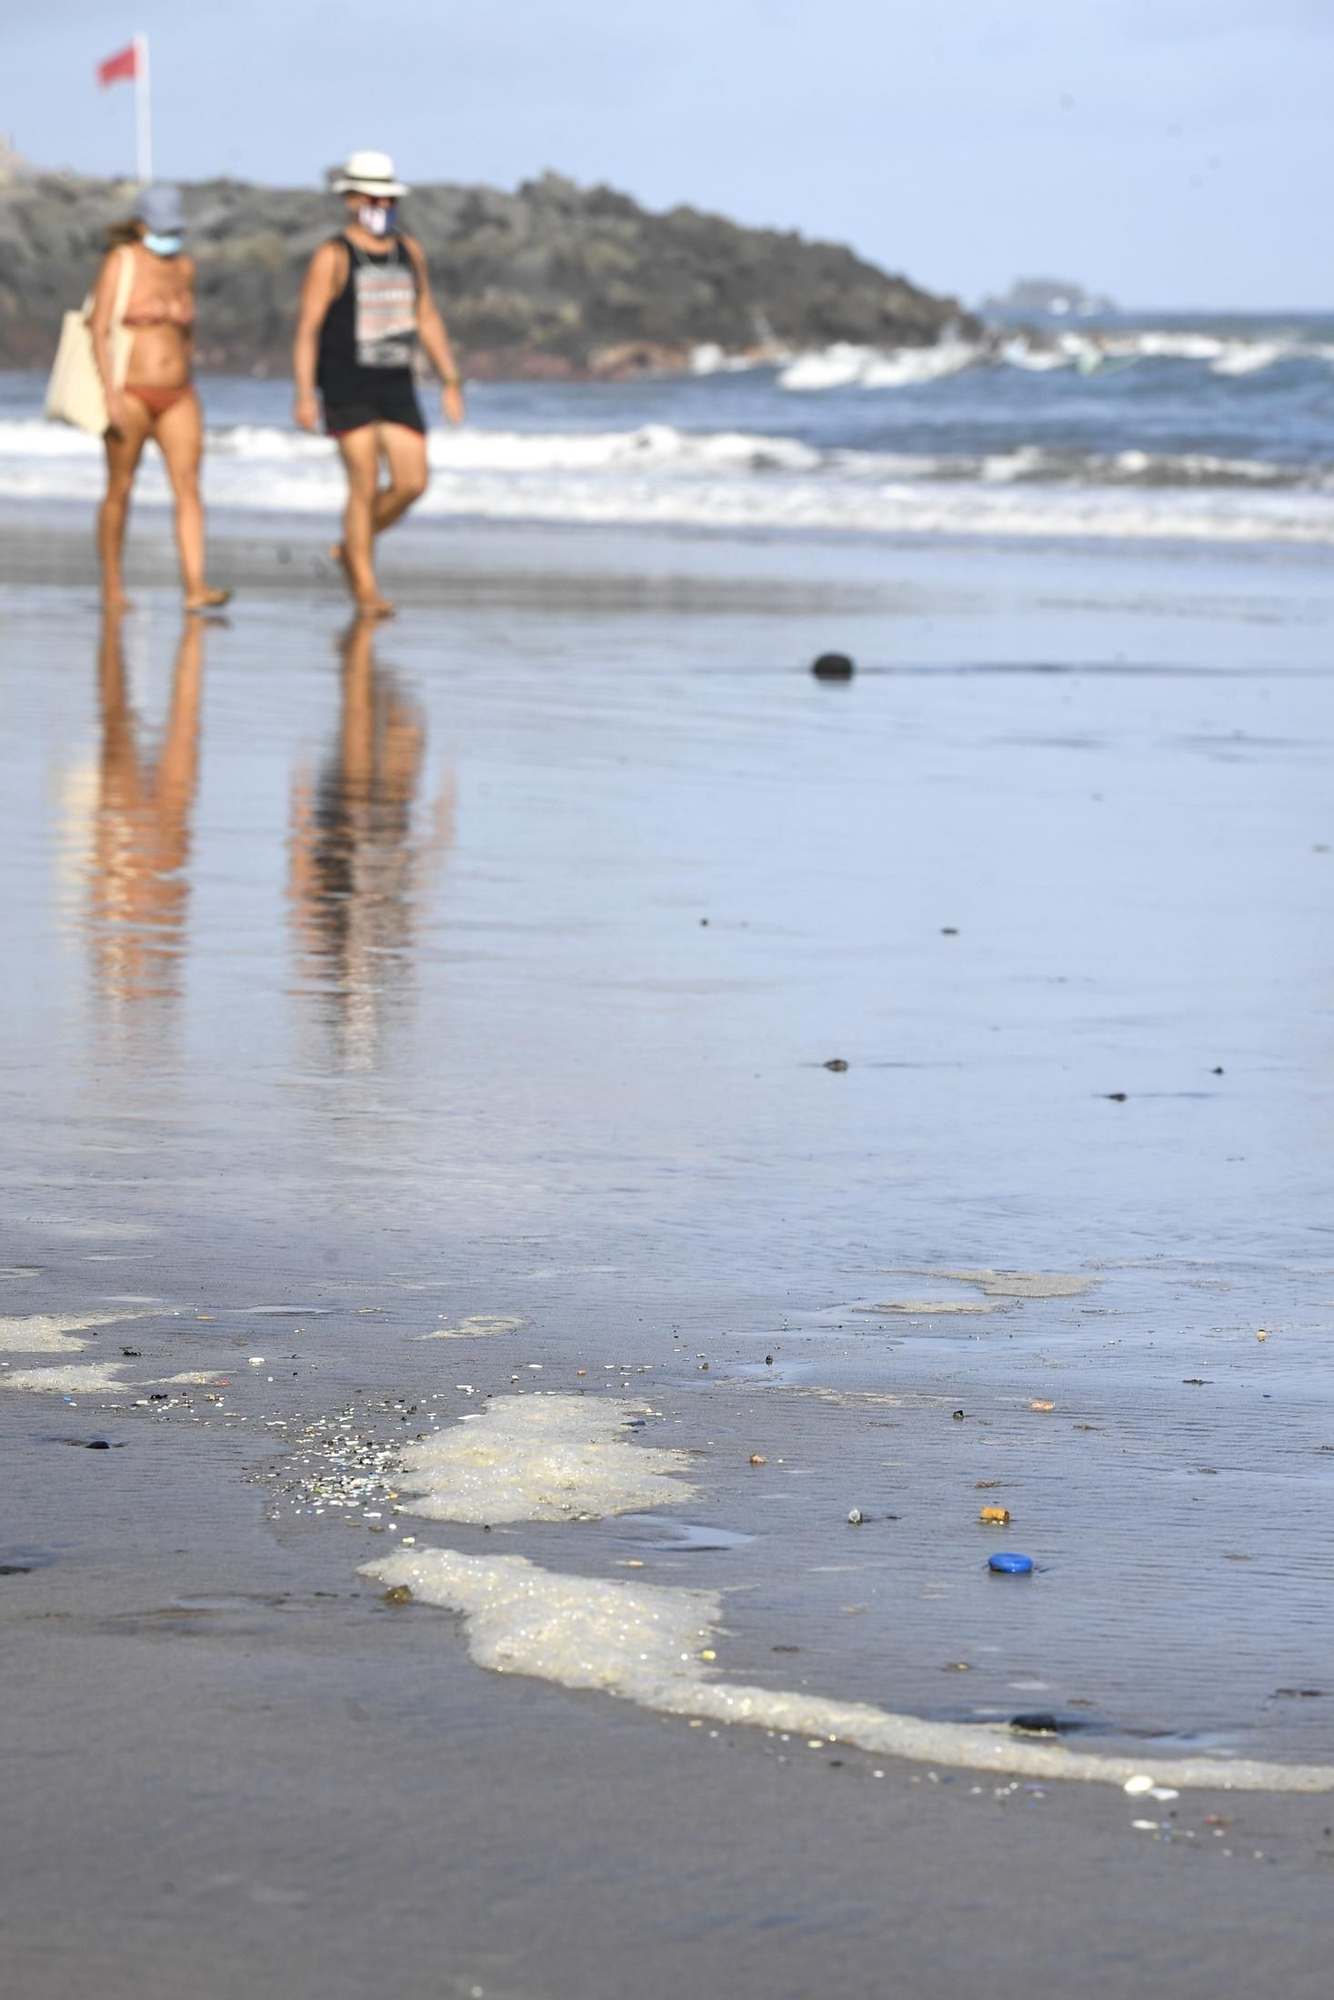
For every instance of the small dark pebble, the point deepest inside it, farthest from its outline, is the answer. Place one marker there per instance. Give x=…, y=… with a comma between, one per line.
x=1116, y=1096
x=704, y=923
x=161, y=1396
x=1218, y=1072
x=97, y=1444
x=768, y=1361
x=833, y=667
x=132, y=1353
x=1040, y=1724
x=958, y=1416
x=836, y=1063
x=948, y=930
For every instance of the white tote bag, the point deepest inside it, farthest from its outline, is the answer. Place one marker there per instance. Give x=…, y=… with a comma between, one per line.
x=74, y=395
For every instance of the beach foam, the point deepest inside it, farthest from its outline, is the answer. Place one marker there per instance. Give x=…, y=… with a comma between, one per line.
x=478, y=1326
x=1022, y=1284
x=927, y=1308
x=79, y=1379
x=644, y=1643
x=51, y=1333
x=541, y=1458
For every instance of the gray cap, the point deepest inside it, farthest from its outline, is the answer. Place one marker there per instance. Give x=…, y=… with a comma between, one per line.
x=159, y=209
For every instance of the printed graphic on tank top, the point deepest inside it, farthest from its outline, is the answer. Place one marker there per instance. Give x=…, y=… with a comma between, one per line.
x=386, y=310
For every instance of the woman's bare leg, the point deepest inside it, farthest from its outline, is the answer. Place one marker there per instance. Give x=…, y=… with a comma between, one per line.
x=180, y=435
x=361, y=461
x=123, y=449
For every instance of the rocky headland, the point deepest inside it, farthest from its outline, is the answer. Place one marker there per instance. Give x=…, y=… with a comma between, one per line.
x=553, y=280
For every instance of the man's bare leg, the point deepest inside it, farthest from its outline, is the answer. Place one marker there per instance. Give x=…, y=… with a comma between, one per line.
x=361, y=461
x=405, y=452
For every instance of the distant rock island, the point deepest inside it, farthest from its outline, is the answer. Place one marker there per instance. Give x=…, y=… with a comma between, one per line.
x=554, y=280
x=1055, y=298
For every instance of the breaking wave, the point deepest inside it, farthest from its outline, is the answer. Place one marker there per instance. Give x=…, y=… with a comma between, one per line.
x=844, y=366
x=736, y=480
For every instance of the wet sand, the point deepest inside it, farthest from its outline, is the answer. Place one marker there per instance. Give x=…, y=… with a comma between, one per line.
x=480, y=978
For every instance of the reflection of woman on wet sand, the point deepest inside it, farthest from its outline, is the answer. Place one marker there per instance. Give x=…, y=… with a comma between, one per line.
x=158, y=400
x=139, y=885
x=355, y=862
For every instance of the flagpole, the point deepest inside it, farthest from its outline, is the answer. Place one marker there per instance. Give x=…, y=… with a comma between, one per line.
x=143, y=111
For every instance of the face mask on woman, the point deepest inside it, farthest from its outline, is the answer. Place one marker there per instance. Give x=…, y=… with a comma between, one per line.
x=162, y=246
x=378, y=220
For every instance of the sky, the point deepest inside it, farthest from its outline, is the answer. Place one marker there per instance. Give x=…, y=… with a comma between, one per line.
x=1173, y=153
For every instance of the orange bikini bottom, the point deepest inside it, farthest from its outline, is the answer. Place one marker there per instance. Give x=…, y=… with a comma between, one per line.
x=158, y=401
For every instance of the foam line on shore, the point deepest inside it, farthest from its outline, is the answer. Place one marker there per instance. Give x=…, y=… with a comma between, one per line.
x=541, y=1458
x=645, y=1643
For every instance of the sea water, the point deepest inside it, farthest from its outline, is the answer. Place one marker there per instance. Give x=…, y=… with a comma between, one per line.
x=1216, y=428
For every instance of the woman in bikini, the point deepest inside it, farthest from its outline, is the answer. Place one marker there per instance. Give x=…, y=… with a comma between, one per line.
x=158, y=400
x=365, y=305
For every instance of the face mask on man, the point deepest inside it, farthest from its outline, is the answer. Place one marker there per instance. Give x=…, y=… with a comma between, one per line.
x=378, y=219
x=162, y=246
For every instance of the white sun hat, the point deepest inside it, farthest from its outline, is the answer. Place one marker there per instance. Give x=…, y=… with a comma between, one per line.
x=368, y=173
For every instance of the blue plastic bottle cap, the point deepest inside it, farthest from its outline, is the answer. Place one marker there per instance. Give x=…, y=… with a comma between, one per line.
x=1010, y=1565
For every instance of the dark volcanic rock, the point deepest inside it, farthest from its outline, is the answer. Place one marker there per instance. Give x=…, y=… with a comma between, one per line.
x=553, y=280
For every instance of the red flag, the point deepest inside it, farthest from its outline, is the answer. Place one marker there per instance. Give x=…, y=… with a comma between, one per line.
x=123, y=65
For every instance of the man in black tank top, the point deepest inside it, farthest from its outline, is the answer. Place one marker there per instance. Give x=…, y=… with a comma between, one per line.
x=366, y=305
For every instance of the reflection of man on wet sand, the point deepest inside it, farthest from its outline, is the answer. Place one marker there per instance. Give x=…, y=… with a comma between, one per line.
x=139, y=886
x=355, y=859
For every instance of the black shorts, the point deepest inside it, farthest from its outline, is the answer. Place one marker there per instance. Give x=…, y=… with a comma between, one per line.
x=391, y=401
